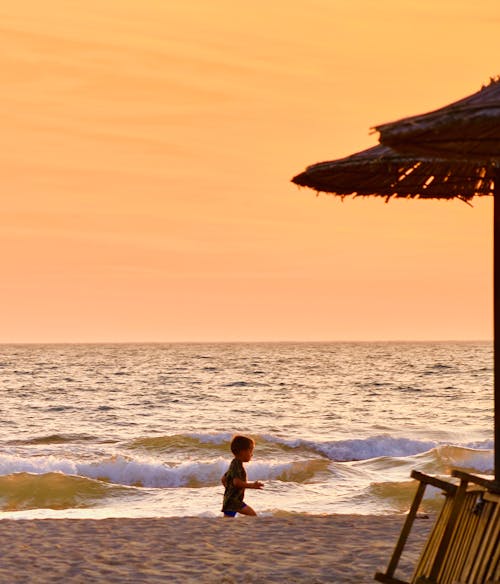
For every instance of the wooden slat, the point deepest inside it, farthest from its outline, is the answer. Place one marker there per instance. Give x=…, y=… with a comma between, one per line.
x=476, y=545
x=458, y=500
x=473, y=544
x=493, y=574
x=492, y=497
x=434, y=482
x=429, y=553
x=490, y=484
x=488, y=548
x=460, y=540
x=460, y=546
x=445, y=565
x=481, y=551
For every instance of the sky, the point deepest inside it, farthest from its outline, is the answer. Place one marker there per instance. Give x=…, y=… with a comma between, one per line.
x=147, y=151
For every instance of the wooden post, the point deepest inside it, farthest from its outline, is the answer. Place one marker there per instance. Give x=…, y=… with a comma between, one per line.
x=496, y=325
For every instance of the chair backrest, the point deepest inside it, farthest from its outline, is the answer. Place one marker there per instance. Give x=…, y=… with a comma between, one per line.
x=463, y=546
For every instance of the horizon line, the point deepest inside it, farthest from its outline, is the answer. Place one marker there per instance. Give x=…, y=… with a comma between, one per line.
x=246, y=342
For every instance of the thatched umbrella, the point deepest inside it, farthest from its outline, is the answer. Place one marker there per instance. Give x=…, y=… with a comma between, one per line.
x=381, y=171
x=470, y=129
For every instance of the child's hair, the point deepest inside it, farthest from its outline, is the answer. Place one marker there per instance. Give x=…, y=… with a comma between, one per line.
x=239, y=443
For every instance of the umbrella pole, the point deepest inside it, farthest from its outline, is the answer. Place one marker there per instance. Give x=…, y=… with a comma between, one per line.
x=496, y=325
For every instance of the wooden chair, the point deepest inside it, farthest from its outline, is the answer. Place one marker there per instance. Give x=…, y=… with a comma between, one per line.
x=463, y=546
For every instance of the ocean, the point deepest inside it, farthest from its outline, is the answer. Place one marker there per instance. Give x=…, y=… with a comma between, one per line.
x=143, y=430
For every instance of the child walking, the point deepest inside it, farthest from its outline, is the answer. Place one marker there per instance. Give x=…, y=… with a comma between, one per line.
x=235, y=479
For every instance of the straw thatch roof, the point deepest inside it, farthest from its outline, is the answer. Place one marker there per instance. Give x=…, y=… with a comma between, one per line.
x=382, y=171
x=469, y=127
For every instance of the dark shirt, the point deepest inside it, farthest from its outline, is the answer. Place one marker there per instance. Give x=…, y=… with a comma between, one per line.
x=233, y=497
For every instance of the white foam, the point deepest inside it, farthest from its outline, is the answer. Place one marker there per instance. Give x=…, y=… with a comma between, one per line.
x=146, y=473
x=152, y=474
x=360, y=449
x=10, y=464
x=211, y=438
x=481, y=445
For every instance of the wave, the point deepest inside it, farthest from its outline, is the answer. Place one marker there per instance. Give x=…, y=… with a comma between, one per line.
x=126, y=471
x=197, y=460
x=397, y=496
x=335, y=450
x=379, y=484
x=54, y=439
x=177, y=442
x=152, y=473
x=359, y=449
x=338, y=450
x=390, y=486
x=21, y=491
x=442, y=459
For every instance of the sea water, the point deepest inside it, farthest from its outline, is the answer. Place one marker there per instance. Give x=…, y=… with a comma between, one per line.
x=143, y=430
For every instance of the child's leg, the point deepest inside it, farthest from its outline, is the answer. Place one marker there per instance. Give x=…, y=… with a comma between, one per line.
x=247, y=510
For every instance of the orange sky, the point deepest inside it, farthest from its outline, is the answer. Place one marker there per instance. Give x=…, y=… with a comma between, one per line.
x=147, y=149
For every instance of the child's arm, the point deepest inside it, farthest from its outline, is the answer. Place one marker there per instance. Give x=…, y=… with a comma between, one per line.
x=239, y=484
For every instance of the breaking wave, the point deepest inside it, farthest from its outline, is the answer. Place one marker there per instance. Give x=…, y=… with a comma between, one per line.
x=21, y=491
x=379, y=466
x=125, y=471
x=337, y=450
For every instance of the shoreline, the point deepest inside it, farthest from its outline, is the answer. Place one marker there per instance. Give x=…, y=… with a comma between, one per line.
x=309, y=549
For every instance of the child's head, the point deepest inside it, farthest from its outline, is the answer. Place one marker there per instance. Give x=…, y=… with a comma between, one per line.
x=242, y=445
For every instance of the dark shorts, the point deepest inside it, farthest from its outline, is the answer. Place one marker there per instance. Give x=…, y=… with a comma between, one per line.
x=233, y=513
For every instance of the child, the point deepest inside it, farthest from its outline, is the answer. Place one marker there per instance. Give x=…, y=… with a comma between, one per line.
x=235, y=479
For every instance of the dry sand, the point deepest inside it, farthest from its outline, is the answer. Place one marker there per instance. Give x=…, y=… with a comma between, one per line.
x=340, y=548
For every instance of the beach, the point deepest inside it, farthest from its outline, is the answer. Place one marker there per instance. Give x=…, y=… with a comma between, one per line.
x=312, y=549
x=111, y=457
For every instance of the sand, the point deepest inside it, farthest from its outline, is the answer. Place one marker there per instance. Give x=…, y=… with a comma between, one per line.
x=340, y=548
